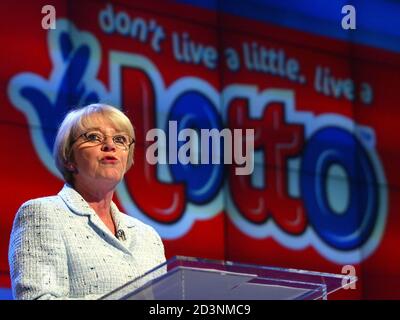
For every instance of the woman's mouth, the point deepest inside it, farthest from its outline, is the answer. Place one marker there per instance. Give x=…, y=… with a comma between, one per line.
x=109, y=160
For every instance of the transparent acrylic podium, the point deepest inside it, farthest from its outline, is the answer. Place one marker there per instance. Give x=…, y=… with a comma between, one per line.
x=187, y=278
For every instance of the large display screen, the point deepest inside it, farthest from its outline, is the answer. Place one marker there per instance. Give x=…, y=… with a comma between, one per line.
x=321, y=189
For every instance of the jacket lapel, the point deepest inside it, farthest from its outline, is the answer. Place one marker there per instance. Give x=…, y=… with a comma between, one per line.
x=79, y=206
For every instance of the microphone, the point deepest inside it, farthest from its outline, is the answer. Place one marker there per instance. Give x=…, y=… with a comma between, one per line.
x=121, y=235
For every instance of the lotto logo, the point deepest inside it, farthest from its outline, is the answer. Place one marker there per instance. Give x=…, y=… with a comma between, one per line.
x=301, y=161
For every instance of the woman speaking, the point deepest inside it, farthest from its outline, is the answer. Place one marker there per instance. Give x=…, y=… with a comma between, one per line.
x=77, y=244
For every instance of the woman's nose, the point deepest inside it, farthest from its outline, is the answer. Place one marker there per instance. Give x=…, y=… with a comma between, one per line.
x=108, y=144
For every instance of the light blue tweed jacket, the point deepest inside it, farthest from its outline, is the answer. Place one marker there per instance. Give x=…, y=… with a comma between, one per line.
x=60, y=249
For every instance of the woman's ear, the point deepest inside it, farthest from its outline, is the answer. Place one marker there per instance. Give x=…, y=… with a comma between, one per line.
x=70, y=167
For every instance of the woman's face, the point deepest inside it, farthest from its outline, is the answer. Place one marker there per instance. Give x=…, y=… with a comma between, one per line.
x=96, y=162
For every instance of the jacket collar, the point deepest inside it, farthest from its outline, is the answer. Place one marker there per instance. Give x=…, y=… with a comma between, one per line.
x=77, y=204
x=75, y=201
x=118, y=217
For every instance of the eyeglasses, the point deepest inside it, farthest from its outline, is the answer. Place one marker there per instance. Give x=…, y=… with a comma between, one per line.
x=121, y=141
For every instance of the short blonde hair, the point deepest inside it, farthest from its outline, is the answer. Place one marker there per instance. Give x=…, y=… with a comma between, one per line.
x=79, y=120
